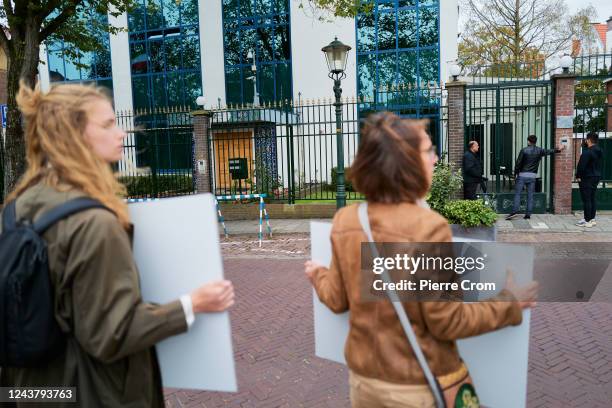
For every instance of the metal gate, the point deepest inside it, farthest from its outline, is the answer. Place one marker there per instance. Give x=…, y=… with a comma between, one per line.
x=500, y=115
x=593, y=113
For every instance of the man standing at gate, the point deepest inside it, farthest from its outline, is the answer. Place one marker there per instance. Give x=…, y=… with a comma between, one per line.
x=472, y=171
x=526, y=171
x=588, y=173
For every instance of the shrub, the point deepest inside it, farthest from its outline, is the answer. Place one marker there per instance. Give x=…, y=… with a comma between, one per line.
x=469, y=213
x=348, y=186
x=444, y=184
x=163, y=185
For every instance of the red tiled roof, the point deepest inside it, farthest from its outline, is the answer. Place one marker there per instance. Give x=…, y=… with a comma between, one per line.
x=601, y=29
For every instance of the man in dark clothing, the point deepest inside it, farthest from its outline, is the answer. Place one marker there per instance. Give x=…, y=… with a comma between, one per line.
x=526, y=172
x=472, y=171
x=588, y=174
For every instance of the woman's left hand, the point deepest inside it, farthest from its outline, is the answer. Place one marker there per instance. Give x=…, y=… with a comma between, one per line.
x=309, y=269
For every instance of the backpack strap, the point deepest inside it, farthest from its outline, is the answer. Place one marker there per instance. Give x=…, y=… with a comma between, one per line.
x=64, y=210
x=9, y=217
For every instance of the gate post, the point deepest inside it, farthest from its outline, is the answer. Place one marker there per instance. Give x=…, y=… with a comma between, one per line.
x=201, y=158
x=456, y=125
x=563, y=125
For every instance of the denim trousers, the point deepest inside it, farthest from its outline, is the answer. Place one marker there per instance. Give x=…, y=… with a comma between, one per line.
x=521, y=182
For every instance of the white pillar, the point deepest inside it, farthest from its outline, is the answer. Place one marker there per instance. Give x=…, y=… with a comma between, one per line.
x=449, y=29
x=211, y=51
x=120, y=62
x=43, y=69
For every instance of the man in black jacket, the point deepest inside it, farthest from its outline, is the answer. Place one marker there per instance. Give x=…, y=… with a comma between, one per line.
x=526, y=172
x=472, y=171
x=588, y=174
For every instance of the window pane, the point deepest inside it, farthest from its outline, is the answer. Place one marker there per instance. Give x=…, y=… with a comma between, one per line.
x=282, y=46
x=72, y=71
x=56, y=66
x=386, y=31
x=189, y=12
x=87, y=59
x=245, y=8
x=428, y=27
x=159, y=90
x=247, y=42
x=385, y=5
x=136, y=19
x=154, y=14
x=230, y=8
x=140, y=90
x=173, y=53
x=366, y=75
x=175, y=89
x=407, y=3
x=265, y=44
x=428, y=65
x=156, y=54
x=407, y=67
x=263, y=6
x=102, y=64
x=193, y=88
x=366, y=33
x=139, y=58
x=265, y=82
x=428, y=3
x=171, y=13
x=232, y=48
x=387, y=69
x=247, y=85
x=406, y=28
x=233, y=85
x=283, y=81
x=191, y=53
x=281, y=6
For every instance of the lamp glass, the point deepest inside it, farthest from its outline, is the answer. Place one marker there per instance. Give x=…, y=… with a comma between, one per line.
x=455, y=70
x=566, y=61
x=336, y=55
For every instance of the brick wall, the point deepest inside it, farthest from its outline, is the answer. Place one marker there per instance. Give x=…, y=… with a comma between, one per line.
x=456, y=127
x=201, y=166
x=563, y=165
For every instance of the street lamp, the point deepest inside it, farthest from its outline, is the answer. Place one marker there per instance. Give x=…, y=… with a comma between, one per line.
x=251, y=57
x=455, y=70
x=566, y=62
x=336, y=55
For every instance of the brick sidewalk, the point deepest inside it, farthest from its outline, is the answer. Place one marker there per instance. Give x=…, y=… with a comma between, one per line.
x=570, y=361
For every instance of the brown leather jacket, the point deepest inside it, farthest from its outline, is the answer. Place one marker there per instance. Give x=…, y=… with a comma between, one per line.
x=376, y=346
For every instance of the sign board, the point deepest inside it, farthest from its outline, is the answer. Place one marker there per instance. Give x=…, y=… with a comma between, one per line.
x=497, y=360
x=170, y=266
x=4, y=109
x=565, y=122
x=238, y=168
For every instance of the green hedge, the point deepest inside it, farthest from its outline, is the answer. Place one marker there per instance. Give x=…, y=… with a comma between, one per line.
x=469, y=213
x=161, y=185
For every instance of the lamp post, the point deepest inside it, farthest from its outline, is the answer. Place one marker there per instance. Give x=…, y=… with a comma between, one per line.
x=251, y=57
x=336, y=54
x=566, y=62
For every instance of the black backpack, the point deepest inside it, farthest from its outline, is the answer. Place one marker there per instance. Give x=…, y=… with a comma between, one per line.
x=29, y=333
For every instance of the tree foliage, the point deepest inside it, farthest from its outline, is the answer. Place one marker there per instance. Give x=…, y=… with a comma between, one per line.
x=24, y=26
x=512, y=31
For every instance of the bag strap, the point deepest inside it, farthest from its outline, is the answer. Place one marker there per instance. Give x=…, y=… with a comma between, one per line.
x=64, y=210
x=9, y=220
x=401, y=313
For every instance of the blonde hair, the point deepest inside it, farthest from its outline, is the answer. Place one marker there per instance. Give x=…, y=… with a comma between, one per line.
x=57, y=152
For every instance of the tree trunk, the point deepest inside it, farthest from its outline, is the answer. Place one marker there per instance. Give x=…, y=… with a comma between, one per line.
x=22, y=64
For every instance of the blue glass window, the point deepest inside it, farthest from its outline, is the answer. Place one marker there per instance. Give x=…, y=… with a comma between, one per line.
x=91, y=67
x=398, y=44
x=165, y=53
x=262, y=27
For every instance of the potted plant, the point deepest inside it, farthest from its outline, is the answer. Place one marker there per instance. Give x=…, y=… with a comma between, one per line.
x=474, y=219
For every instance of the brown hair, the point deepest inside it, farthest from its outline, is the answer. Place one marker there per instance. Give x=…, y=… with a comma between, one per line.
x=57, y=152
x=388, y=167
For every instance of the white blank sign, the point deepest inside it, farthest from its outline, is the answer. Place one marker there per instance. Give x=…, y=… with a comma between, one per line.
x=176, y=247
x=497, y=361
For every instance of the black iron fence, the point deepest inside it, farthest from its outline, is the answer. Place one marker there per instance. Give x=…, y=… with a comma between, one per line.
x=158, y=153
x=289, y=150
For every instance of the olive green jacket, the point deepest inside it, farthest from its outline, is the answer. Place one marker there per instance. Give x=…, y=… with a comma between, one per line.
x=109, y=353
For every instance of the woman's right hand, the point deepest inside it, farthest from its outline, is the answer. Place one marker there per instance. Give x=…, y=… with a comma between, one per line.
x=215, y=296
x=525, y=295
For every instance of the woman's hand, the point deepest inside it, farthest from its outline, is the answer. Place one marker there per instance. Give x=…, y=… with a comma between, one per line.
x=309, y=269
x=525, y=295
x=215, y=296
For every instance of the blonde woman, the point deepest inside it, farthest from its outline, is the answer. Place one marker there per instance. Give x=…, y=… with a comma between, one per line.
x=110, y=332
